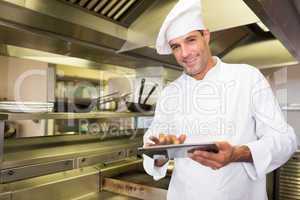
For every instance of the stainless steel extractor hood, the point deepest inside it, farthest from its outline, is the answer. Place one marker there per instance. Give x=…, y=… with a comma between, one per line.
x=282, y=18
x=124, y=32
x=123, y=12
x=59, y=28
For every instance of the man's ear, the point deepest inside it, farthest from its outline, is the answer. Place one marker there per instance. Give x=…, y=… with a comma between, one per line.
x=206, y=35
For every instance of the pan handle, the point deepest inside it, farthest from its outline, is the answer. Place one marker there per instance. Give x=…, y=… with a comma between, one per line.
x=106, y=96
x=151, y=91
x=141, y=90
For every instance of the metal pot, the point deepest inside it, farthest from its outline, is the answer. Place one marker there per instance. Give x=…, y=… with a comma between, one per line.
x=108, y=106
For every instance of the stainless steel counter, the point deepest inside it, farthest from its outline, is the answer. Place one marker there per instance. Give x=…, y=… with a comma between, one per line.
x=86, y=184
x=32, y=157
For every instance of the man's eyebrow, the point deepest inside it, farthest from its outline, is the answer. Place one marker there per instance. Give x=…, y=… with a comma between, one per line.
x=173, y=44
x=190, y=36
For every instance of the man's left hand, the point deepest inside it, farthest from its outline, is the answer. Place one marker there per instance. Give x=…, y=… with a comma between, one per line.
x=227, y=154
x=214, y=160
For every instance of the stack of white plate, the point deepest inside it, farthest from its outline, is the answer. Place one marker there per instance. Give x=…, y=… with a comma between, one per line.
x=26, y=106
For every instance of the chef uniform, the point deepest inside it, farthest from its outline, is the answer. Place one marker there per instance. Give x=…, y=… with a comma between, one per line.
x=232, y=103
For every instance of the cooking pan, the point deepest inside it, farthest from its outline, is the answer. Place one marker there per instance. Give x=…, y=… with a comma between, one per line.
x=137, y=107
x=141, y=107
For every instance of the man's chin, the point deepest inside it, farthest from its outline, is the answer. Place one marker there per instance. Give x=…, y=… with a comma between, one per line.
x=192, y=73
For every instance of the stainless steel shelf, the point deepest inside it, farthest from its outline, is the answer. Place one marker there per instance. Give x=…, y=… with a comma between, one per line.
x=291, y=107
x=90, y=115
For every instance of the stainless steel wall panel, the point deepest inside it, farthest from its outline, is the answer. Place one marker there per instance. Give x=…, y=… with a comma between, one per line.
x=30, y=171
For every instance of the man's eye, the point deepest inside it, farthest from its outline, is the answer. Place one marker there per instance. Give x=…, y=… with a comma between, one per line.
x=174, y=47
x=191, y=39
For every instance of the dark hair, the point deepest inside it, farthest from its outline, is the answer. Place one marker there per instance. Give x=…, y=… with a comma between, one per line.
x=201, y=31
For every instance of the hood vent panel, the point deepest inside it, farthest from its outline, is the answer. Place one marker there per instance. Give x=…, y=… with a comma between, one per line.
x=122, y=12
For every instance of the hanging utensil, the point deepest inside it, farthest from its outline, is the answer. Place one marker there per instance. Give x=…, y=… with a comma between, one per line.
x=141, y=90
x=151, y=91
x=141, y=107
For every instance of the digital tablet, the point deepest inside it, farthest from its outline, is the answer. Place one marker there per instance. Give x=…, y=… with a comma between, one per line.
x=177, y=150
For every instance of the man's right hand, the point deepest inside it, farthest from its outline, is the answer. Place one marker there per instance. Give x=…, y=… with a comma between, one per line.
x=165, y=139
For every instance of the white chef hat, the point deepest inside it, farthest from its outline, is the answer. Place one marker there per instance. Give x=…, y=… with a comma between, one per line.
x=182, y=19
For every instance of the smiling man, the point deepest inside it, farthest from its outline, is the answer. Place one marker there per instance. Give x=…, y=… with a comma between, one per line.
x=231, y=105
x=192, y=53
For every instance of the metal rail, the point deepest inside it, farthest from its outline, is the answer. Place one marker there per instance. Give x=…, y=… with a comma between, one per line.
x=90, y=115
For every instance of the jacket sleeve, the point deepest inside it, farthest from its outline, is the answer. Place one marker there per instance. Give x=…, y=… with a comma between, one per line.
x=276, y=139
x=152, y=170
x=162, y=123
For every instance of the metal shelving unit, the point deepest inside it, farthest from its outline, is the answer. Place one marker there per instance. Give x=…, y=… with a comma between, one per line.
x=34, y=158
x=38, y=116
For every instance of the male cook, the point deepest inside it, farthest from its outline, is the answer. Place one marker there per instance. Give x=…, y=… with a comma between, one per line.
x=229, y=104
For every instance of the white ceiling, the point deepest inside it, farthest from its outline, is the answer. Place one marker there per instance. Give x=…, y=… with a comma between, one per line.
x=223, y=14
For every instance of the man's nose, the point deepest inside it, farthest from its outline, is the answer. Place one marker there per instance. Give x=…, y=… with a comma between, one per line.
x=184, y=51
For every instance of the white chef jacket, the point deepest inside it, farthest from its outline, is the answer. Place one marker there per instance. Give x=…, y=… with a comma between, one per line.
x=233, y=103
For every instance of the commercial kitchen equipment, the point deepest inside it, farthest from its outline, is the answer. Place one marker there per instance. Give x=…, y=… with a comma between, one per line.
x=93, y=166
